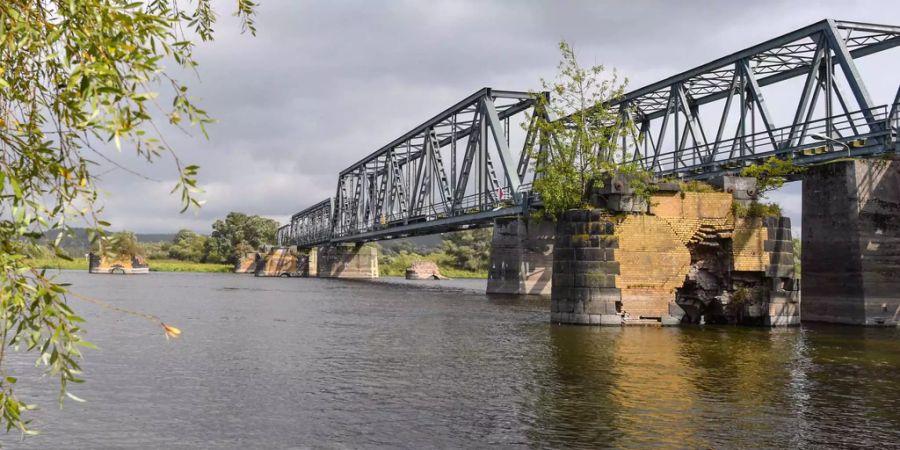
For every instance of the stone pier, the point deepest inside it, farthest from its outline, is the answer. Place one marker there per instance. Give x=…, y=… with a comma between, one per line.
x=308, y=263
x=521, y=256
x=851, y=243
x=682, y=257
x=339, y=261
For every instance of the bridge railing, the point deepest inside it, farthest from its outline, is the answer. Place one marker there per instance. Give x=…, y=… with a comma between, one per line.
x=468, y=205
x=861, y=130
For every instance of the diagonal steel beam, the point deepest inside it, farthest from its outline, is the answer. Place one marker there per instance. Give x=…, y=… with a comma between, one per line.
x=506, y=159
x=845, y=59
x=757, y=97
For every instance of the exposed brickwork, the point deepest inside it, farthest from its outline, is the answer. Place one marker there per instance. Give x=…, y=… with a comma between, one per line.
x=629, y=268
x=247, y=263
x=691, y=205
x=653, y=261
x=748, y=245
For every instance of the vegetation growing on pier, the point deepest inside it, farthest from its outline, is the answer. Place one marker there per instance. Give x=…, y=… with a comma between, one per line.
x=581, y=130
x=770, y=175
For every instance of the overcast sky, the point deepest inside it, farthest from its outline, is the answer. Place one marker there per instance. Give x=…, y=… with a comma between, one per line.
x=325, y=83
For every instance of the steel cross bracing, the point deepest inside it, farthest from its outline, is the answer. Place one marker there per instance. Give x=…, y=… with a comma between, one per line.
x=454, y=171
x=309, y=227
x=457, y=169
x=715, y=118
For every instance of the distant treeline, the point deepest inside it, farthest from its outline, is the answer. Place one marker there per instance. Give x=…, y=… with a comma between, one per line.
x=462, y=253
x=458, y=254
x=230, y=238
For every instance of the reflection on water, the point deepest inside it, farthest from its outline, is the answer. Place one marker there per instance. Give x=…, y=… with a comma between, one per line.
x=276, y=363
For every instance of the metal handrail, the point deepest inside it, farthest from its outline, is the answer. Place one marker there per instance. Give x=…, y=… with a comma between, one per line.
x=760, y=143
x=469, y=204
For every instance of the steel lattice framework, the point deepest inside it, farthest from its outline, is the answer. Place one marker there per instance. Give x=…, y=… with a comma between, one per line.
x=457, y=169
x=454, y=171
x=713, y=118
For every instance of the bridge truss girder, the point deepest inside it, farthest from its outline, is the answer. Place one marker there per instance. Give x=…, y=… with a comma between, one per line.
x=457, y=170
x=457, y=163
x=309, y=227
x=715, y=117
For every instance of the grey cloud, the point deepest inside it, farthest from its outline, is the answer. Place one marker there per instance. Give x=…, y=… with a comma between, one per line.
x=325, y=83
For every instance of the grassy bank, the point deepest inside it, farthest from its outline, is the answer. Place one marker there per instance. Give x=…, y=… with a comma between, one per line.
x=156, y=265
x=174, y=265
x=396, y=265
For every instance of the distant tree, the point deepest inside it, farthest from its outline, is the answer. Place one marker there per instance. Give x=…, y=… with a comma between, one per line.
x=237, y=234
x=123, y=243
x=393, y=248
x=470, y=249
x=581, y=129
x=187, y=246
x=156, y=250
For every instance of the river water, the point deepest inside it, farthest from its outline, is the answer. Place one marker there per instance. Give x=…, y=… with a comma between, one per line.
x=310, y=363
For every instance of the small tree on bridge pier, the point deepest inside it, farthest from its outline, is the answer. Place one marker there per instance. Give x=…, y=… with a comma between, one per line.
x=579, y=131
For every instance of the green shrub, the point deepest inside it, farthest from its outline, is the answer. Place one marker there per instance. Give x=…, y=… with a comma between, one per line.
x=756, y=209
x=696, y=186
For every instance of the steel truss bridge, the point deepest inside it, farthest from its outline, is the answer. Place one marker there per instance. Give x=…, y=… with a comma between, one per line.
x=461, y=168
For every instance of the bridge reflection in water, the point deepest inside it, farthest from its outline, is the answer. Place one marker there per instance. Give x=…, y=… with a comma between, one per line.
x=704, y=387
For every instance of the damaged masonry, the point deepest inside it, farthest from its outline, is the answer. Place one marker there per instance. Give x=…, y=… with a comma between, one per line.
x=684, y=258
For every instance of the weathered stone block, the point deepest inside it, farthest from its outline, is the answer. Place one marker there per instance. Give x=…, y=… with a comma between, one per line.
x=742, y=188
x=604, y=267
x=851, y=243
x=564, y=254
x=522, y=256
x=576, y=215
x=595, y=280
x=347, y=262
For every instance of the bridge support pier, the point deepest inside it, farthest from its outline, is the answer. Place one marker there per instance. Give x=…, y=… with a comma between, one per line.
x=685, y=259
x=340, y=261
x=521, y=256
x=308, y=264
x=851, y=243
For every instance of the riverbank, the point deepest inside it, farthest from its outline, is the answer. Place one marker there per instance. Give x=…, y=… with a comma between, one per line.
x=396, y=265
x=156, y=265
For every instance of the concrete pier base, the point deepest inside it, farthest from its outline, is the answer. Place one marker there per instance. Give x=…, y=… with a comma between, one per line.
x=851, y=243
x=346, y=262
x=308, y=265
x=521, y=257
